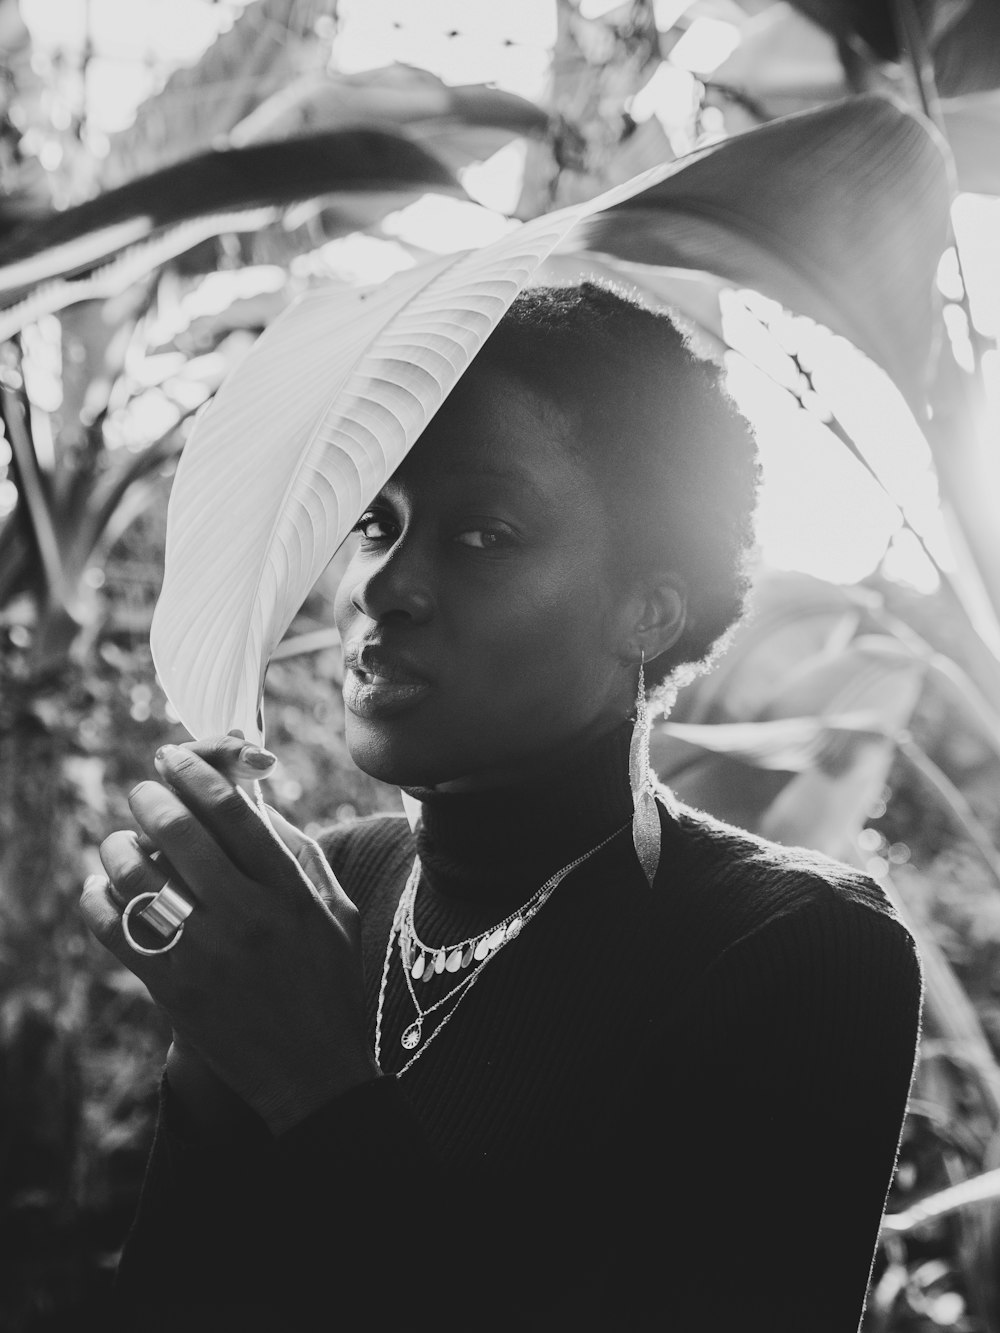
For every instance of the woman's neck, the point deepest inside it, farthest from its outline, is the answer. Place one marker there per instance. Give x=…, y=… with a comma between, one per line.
x=533, y=771
x=498, y=843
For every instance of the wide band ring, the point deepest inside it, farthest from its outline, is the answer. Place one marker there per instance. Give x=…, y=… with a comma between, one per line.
x=166, y=914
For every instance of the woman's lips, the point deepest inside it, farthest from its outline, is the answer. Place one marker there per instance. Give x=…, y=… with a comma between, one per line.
x=382, y=691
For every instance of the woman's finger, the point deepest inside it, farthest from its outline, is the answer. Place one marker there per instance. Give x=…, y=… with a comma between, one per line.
x=294, y=839
x=232, y=755
x=146, y=845
x=209, y=830
x=181, y=836
x=103, y=915
x=309, y=855
x=132, y=869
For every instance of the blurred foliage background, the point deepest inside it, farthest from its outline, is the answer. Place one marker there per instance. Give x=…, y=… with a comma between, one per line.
x=268, y=145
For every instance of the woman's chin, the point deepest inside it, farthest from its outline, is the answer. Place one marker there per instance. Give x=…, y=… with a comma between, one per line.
x=412, y=765
x=386, y=757
x=401, y=753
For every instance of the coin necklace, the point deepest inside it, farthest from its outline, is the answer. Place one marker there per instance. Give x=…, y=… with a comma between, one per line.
x=421, y=961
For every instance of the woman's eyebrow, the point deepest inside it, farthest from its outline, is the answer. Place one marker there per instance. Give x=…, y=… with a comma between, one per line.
x=511, y=473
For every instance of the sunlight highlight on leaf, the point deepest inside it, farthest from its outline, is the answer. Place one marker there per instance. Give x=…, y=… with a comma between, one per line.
x=840, y=214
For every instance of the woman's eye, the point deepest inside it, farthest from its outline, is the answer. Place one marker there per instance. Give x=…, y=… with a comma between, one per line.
x=483, y=539
x=374, y=527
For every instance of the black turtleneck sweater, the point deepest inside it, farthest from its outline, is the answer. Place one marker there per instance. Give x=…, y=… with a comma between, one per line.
x=674, y=1108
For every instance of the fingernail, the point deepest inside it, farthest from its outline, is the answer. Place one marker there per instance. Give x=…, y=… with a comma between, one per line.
x=164, y=753
x=92, y=882
x=238, y=732
x=254, y=757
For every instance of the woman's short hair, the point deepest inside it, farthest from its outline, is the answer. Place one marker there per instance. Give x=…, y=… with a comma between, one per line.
x=654, y=422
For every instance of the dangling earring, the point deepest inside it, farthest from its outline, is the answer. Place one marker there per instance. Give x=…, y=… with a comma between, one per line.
x=645, y=816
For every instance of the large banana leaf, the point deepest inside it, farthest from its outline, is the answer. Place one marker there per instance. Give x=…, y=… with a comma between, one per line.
x=265, y=49
x=222, y=190
x=300, y=437
x=786, y=744
x=797, y=620
x=840, y=214
x=963, y=36
x=459, y=124
x=966, y=55
x=787, y=63
x=871, y=20
x=829, y=719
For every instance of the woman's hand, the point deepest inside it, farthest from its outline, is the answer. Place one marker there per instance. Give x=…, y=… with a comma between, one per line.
x=265, y=983
x=208, y=1104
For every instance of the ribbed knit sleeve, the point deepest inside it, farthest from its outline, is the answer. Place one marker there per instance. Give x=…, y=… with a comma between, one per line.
x=781, y=1089
x=197, y=1249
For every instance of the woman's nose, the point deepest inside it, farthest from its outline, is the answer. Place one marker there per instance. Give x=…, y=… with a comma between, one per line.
x=398, y=585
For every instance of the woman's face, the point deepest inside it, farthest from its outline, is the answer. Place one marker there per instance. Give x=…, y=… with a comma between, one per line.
x=484, y=626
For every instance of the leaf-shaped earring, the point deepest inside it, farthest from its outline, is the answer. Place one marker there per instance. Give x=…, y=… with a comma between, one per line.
x=645, y=814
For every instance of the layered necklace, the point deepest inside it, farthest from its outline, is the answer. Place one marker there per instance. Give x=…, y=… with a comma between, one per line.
x=420, y=962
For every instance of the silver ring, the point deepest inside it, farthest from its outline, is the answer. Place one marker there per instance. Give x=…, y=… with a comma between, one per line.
x=166, y=914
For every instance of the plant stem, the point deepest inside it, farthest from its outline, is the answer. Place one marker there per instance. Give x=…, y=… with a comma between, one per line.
x=15, y=416
x=979, y=1189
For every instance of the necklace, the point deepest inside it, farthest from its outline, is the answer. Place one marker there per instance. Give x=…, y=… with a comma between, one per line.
x=420, y=961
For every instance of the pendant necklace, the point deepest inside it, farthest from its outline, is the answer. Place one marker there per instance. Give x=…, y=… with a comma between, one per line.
x=421, y=961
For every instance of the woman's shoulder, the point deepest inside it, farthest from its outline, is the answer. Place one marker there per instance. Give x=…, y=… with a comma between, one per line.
x=762, y=882
x=773, y=924
x=799, y=976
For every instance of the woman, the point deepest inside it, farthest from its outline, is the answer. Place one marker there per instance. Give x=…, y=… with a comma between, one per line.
x=569, y=1057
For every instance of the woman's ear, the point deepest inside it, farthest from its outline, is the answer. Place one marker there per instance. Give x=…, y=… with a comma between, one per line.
x=663, y=616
